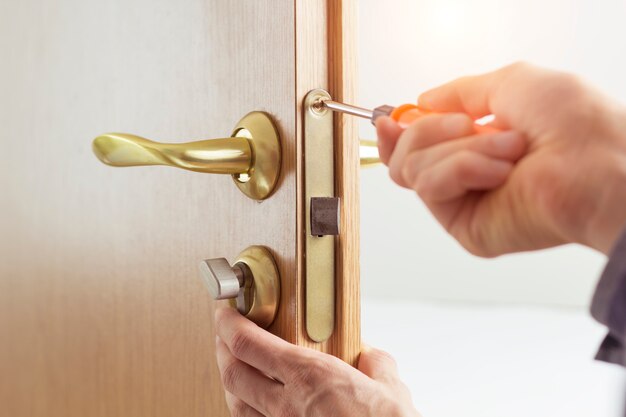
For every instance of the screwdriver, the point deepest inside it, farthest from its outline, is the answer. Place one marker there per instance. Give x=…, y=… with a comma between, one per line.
x=404, y=114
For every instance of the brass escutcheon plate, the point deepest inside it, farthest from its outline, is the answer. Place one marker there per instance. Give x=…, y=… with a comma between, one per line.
x=265, y=290
x=259, y=182
x=319, y=181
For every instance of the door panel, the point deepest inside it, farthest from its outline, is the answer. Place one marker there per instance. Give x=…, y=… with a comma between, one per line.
x=101, y=307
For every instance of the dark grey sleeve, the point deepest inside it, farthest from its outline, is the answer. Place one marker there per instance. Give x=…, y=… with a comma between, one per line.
x=609, y=305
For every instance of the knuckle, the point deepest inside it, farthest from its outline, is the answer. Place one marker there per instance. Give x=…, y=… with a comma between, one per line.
x=478, y=249
x=412, y=167
x=286, y=409
x=518, y=66
x=231, y=376
x=383, y=356
x=566, y=85
x=427, y=125
x=238, y=409
x=240, y=343
x=464, y=166
x=395, y=173
x=409, y=172
x=219, y=317
x=462, y=80
x=569, y=96
x=479, y=242
x=310, y=373
x=570, y=80
x=422, y=186
x=418, y=133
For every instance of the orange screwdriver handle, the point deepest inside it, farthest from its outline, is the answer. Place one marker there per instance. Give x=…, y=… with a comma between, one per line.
x=406, y=114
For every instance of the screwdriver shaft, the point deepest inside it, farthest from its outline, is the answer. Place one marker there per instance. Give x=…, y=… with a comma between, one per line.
x=348, y=109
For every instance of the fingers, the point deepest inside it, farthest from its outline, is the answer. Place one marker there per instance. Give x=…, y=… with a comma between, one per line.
x=425, y=132
x=473, y=95
x=388, y=133
x=240, y=409
x=509, y=146
x=246, y=383
x=378, y=365
x=460, y=173
x=251, y=344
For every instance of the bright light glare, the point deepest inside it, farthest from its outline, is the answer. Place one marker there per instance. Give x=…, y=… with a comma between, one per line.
x=486, y=120
x=447, y=16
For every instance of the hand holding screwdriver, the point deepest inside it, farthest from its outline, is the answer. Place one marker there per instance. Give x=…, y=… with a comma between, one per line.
x=555, y=175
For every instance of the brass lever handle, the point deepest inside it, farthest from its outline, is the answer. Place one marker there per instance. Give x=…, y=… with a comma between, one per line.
x=252, y=154
x=215, y=156
x=368, y=151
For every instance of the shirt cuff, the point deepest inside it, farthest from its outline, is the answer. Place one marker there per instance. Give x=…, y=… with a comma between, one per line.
x=609, y=304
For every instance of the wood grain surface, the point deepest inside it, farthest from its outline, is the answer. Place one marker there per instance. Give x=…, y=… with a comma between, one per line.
x=102, y=312
x=329, y=62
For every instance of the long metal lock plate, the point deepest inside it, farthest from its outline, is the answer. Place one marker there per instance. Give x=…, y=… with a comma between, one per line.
x=319, y=181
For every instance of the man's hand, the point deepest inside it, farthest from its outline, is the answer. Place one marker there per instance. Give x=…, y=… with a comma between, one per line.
x=266, y=376
x=555, y=174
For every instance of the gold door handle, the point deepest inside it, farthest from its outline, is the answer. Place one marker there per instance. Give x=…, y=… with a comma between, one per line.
x=251, y=155
x=368, y=151
x=215, y=156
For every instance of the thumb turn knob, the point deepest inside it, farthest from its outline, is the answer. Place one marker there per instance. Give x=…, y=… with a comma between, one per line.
x=222, y=280
x=252, y=283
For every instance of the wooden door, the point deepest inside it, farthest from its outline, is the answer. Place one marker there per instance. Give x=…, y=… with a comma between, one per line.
x=102, y=312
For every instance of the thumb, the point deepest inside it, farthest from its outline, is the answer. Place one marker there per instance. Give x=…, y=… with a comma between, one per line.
x=388, y=133
x=377, y=364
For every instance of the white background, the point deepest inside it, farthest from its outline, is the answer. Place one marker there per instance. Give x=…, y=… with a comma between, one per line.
x=503, y=337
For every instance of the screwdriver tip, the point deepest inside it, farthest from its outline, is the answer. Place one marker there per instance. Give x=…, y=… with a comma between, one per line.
x=318, y=104
x=346, y=108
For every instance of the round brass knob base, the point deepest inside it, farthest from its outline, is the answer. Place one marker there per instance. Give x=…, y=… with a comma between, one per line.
x=264, y=293
x=259, y=182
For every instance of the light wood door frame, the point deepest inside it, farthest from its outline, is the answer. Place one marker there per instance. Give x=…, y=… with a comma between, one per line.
x=326, y=58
